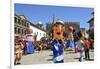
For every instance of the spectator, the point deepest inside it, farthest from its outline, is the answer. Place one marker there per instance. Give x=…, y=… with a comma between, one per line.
x=80, y=46
x=87, y=46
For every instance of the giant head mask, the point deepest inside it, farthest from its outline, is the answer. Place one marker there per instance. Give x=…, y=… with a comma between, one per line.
x=58, y=29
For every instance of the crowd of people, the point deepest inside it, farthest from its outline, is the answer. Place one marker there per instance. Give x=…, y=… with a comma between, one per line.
x=78, y=41
x=81, y=42
x=27, y=45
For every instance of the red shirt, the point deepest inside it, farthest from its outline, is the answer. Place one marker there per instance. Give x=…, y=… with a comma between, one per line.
x=87, y=43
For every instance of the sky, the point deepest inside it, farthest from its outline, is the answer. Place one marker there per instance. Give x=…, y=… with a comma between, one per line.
x=45, y=13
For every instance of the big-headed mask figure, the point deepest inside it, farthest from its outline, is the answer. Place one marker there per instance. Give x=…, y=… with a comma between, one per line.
x=58, y=29
x=70, y=38
x=57, y=44
x=30, y=42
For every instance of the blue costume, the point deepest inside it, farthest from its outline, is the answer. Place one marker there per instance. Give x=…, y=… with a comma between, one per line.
x=70, y=41
x=70, y=44
x=30, y=47
x=57, y=47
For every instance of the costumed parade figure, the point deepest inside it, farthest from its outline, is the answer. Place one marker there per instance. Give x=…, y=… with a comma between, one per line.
x=18, y=51
x=30, y=42
x=70, y=39
x=57, y=42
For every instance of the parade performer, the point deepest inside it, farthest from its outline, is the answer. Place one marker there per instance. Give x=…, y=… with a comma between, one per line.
x=18, y=51
x=24, y=42
x=57, y=42
x=30, y=42
x=70, y=39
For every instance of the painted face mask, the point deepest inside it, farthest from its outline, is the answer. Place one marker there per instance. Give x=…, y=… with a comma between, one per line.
x=57, y=45
x=58, y=30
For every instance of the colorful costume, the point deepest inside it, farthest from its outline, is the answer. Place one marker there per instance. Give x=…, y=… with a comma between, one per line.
x=30, y=42
x=30, y=47
x=70, y=39
x=18, y=53
x=57, y=51
x=57, y=42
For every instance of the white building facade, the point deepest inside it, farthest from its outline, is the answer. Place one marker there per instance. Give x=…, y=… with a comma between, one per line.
x=37, y=32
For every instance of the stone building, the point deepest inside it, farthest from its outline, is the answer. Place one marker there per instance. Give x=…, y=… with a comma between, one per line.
x=91, y=26
x=75, y=25
x=20, y=25
x=91, y=22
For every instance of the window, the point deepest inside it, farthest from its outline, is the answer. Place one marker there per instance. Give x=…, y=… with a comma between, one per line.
x=18, y=21
x=22, y=31
x=15, y=30
x=18, y=30
x=26, y=31
x=23, y=22
x=15, y=20
x=37, y=33
x=27, y=25
x=44, y=34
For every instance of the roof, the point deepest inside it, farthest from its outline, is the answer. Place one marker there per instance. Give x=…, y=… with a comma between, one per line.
x=23, y=17
x=36, y=26
x=90, y=20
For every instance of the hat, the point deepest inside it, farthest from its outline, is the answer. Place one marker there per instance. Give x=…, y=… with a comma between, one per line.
x=60, y=21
